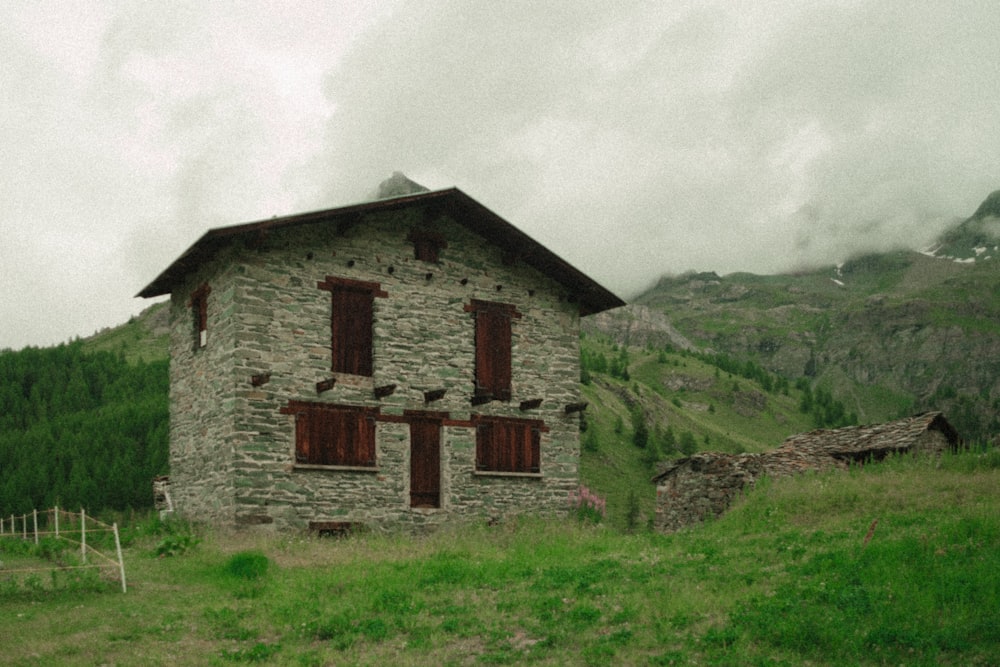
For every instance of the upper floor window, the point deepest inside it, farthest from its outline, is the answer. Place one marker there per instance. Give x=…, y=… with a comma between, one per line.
x=427, y=244
x=199, y=312
x=493, y=348
x=351, y=319
x=334, y=435
x=504, y=444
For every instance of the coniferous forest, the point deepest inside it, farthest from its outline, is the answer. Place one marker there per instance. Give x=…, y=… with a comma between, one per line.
x=80, y=429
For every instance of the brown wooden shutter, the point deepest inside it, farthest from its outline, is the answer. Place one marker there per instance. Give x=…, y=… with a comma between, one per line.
x=493, y=352
x=425, y=462
x=303, y=437
x=199, y=310
x=349, y=437
x=351, y=331
x=427, y=244
x=336, y=437
x=333, y=435
x=352, y=315
x=534, y=461
x=485, y=448
x=517, y=436
x=364, y=444
x=508, y=445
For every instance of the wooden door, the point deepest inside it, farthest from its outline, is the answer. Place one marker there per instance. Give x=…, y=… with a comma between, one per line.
x=425, y=461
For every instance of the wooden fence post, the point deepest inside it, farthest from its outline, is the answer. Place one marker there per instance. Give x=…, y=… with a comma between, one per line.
x=83, y=535
x=121, y=563
x=34, y=518
x=55, y=510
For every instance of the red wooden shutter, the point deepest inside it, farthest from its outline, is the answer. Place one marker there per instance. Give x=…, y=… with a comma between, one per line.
x=493, y=354
x=303, y=437
x=333, y=435
x=199, y=309
x=425, y=462
x=337, y=437
x=508, y=445
x=512, y=448
x=351, y=331
x=485, y=450
x=534, y=444
x=364, y=443
x=349, y=437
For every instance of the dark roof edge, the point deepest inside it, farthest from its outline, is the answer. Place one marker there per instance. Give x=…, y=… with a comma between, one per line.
x=593, y=297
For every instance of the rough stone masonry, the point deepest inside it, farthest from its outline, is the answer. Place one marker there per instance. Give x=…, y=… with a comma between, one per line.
x=704, y=485
x=265, y=344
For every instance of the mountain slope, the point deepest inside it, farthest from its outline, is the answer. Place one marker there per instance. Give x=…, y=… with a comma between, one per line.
x=888, y=334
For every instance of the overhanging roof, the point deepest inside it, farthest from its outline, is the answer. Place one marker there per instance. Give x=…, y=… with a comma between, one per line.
x=592, y=297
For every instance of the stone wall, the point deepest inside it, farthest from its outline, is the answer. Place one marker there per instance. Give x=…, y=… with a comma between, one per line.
x=232, y=450
x=704, y=485
x=202, y=399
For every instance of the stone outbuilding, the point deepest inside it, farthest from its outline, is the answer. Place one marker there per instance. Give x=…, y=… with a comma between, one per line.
x=704, y=485
x=401, y=362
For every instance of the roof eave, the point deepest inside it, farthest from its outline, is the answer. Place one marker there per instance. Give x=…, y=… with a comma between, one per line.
x=591, y=296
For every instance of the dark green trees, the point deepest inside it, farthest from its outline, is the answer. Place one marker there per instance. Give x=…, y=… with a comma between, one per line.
x=80, y=429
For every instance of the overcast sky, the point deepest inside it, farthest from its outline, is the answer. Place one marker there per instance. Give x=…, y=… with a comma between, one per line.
x=632, y=138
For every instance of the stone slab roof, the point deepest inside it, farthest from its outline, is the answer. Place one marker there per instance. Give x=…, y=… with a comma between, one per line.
x=878, y=440
x=816, y=449
x=591, y=296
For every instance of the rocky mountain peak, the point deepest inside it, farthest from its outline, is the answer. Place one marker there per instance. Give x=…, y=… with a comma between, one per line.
x=398, y=185
x=989, y=208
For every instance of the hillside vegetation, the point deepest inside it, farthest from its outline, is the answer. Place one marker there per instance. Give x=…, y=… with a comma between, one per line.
x=888, y=334
x=80, y=429
x=651, y=404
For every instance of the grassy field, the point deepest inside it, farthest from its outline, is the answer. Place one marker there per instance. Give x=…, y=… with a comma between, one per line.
x=897, y=563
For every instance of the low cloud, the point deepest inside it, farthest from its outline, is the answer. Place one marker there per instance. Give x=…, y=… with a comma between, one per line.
x=647, y=140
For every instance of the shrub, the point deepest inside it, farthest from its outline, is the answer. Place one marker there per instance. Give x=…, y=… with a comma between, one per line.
x=248, y=565
x=631, y=512
x=587, y=505
x=640, y=430
x=688, y=446
x=175, y=545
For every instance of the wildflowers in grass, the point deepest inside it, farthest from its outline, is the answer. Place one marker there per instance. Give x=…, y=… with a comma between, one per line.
x=587, y=505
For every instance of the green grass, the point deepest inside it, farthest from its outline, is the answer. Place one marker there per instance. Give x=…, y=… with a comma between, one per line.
x=136, y=338
x=685, y=394
x=793, y=574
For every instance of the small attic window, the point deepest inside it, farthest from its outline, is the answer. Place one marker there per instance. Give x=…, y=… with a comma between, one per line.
x=427, y=244
x=199, y=313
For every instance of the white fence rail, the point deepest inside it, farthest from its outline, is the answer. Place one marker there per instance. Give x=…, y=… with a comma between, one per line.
x=70, y=527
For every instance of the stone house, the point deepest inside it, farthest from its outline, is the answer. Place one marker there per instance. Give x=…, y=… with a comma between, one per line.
x=704, y=485
x=401, y=362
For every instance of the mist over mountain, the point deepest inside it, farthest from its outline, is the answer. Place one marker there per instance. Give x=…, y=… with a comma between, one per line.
x=890, y=333
x=975, y=237
x=989, y=207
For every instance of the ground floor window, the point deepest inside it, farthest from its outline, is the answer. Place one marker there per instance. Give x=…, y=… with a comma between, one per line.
x=334, y=435
x=504, y=444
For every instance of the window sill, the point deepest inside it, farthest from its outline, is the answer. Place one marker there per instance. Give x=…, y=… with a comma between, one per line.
x=500, y=473
x=316, y=466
